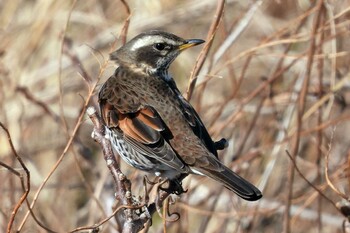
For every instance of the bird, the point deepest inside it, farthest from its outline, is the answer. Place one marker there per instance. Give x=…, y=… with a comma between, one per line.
x=151, y=125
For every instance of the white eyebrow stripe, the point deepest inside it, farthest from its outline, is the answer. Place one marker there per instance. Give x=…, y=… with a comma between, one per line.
x=149, y=40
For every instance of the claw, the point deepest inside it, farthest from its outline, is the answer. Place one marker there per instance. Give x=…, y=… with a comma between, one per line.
x=175, y=187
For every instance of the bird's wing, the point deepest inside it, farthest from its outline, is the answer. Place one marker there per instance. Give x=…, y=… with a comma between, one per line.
x=194, y=120
x=142, y=128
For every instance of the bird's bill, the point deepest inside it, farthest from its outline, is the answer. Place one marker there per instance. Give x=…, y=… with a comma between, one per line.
x=190, y=43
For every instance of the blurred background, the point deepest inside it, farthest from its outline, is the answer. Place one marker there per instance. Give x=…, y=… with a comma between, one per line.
x=275, y=84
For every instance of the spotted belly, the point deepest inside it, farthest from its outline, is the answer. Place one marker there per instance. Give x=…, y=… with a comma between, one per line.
x=138, y=160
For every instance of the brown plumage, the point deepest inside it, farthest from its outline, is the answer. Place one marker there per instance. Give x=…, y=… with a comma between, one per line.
x=151, y=125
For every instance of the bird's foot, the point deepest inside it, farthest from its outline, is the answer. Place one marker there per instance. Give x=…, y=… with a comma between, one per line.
x=174, y=187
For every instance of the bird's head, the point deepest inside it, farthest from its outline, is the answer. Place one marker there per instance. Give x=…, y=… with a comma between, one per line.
x=153, y=51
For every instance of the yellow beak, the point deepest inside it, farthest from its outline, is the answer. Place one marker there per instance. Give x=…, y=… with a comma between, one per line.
x=190, y=43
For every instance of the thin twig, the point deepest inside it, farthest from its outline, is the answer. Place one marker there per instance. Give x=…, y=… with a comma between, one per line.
x=125, y=28
x=319, y=139
x=307, y=181
x=26, y=187
x=300, y=111
x=24, y=90
x=63, y=45
x=203, y=54
x=329, y=182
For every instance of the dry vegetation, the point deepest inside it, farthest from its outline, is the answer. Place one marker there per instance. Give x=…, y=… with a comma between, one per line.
x=275, y=83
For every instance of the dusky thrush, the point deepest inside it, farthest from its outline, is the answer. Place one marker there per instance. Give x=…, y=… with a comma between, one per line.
x=149, y=122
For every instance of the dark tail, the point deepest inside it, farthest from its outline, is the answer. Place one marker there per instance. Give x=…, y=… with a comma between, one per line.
x=235, y=183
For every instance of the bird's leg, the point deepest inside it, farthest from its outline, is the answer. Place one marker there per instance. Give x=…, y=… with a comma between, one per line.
x=221, y=144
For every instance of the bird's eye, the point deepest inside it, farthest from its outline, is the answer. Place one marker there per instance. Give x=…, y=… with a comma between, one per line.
x=159, y=46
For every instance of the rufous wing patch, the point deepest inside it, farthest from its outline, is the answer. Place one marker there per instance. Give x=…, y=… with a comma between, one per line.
x=144, y=126
x=149, y=117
